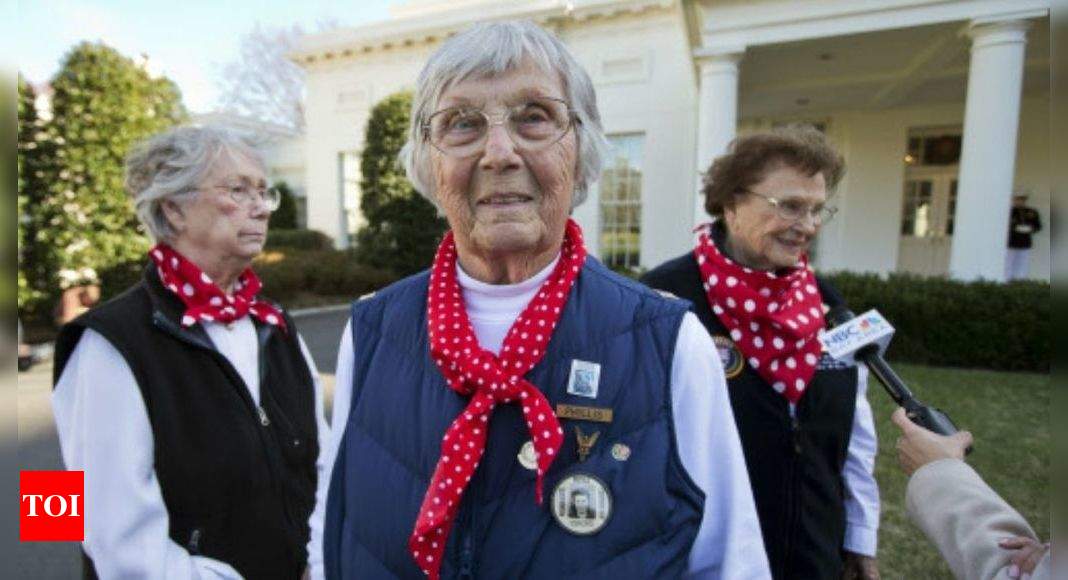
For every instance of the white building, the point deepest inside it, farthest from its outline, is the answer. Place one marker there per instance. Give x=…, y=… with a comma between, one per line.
x=941, y=108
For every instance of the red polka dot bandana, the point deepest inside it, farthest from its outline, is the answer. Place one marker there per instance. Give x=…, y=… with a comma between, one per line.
x=203, y=299
x=488, y=379
x=774, y=319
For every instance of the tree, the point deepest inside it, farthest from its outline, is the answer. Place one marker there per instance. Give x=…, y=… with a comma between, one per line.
x=103, y=103
x=403, y=228
x=263, y=83
x=285, y=217
x=32, y=155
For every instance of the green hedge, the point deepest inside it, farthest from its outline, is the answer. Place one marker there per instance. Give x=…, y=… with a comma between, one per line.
x=948, y=323
x=299, y=239
x=290, y=274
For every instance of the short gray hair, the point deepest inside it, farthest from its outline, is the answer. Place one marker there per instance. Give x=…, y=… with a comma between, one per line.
x=172, y=164
x=485, y=50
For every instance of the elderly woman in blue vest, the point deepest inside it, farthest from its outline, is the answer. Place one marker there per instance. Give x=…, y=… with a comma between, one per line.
x=519, y=411
x=190, y=402
x=805, y=422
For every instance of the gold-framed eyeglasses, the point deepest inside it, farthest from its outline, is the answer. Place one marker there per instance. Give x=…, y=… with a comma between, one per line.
x=792, y=209
x=244, y=194
x=533, y=125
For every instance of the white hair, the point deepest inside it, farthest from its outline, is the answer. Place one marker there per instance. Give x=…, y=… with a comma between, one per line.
x=172, y=164
x=485, y=50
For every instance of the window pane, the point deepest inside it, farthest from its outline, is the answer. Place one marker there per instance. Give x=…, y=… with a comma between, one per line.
x=916, y=217
x=621, y=202
x=941, y=150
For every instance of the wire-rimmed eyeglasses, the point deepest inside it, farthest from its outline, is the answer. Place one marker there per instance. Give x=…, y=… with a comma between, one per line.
x=792, y=209
x=244, y=194
x=533, y=125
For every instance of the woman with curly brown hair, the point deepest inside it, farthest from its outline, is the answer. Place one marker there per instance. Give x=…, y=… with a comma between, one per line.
x=806, y=426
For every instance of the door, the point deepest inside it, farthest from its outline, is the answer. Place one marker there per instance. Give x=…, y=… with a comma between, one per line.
x=930, y=202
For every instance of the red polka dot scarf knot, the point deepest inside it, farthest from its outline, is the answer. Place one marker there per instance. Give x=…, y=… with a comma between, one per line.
x=203, y=299
x=488, y=379
x=773, y=319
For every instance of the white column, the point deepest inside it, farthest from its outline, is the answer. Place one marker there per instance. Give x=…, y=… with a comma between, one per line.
x=717, y=117
x=988, y=155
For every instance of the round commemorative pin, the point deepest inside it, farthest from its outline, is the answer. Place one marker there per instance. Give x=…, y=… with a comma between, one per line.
x=527, y=456
x=581, y=504
x=729, y=355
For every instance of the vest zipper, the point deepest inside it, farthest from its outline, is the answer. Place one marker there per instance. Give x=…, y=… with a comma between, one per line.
x=165, y=324
x=263, y=416
x=795, y=434
x=467, y=549
x=466, y=556
x=791, y=491
x=194, y=542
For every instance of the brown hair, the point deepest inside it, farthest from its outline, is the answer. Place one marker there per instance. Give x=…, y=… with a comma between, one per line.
x=751, y=157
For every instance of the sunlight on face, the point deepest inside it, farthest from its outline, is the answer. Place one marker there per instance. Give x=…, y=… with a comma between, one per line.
x=501, y=200
x=760, y=238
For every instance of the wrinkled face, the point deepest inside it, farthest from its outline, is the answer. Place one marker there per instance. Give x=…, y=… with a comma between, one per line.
x=213, y=223
x=502, y=200
x=759, y=237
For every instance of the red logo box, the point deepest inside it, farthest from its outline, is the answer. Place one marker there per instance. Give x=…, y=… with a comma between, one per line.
x=52, y=506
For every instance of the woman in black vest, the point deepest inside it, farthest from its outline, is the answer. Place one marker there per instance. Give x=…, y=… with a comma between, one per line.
x=805, y=423
x=191, y=403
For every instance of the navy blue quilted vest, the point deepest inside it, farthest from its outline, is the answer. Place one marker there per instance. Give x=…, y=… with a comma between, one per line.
x=401, y=408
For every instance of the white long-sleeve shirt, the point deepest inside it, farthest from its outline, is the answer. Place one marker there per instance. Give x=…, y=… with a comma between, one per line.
x=862, y=491
x=104, y=431
x=729, y=543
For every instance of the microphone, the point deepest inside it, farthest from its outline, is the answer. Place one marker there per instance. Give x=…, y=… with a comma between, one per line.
x=865, y=340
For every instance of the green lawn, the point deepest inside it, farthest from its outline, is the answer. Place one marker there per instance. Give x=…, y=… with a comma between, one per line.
x=1009, y=415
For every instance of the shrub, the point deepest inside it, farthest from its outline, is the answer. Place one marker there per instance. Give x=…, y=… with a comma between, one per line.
x=403, y=229
x=285, y=217
x=299, y=240
x=116, y=279
x=962, y=324
x=289, y=274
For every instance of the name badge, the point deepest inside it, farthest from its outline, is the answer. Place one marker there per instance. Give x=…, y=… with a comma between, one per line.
x=579, y=413
x=585, y=378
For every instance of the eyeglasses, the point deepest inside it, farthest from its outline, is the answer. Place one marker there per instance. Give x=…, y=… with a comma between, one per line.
x=244, y=194
x=793, y=210
x=533, y=126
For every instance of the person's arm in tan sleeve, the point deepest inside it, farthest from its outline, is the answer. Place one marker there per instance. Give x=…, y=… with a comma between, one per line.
x=964, y=518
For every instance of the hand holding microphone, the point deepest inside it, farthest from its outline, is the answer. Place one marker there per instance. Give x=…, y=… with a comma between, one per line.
x=864, y=340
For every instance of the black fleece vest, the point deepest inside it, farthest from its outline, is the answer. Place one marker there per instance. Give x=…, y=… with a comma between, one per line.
x=795, y=463
x=238, y=480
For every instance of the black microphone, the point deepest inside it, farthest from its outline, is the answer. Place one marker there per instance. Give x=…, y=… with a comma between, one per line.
x=925, y=416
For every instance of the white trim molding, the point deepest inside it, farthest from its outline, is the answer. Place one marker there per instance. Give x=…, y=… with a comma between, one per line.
x=782, y=21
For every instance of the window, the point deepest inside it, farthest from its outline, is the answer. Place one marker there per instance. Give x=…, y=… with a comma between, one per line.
x=621, y=203
x=350, y=218
x=939, y=146
x=916, y=218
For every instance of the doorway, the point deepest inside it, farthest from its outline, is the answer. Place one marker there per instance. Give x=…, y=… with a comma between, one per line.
x=929, y=202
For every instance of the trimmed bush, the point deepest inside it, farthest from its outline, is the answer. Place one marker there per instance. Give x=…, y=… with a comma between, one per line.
x=291, y=274
x=403, y=229
x=944, y=322
x=299, y=240
x=285, y=217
